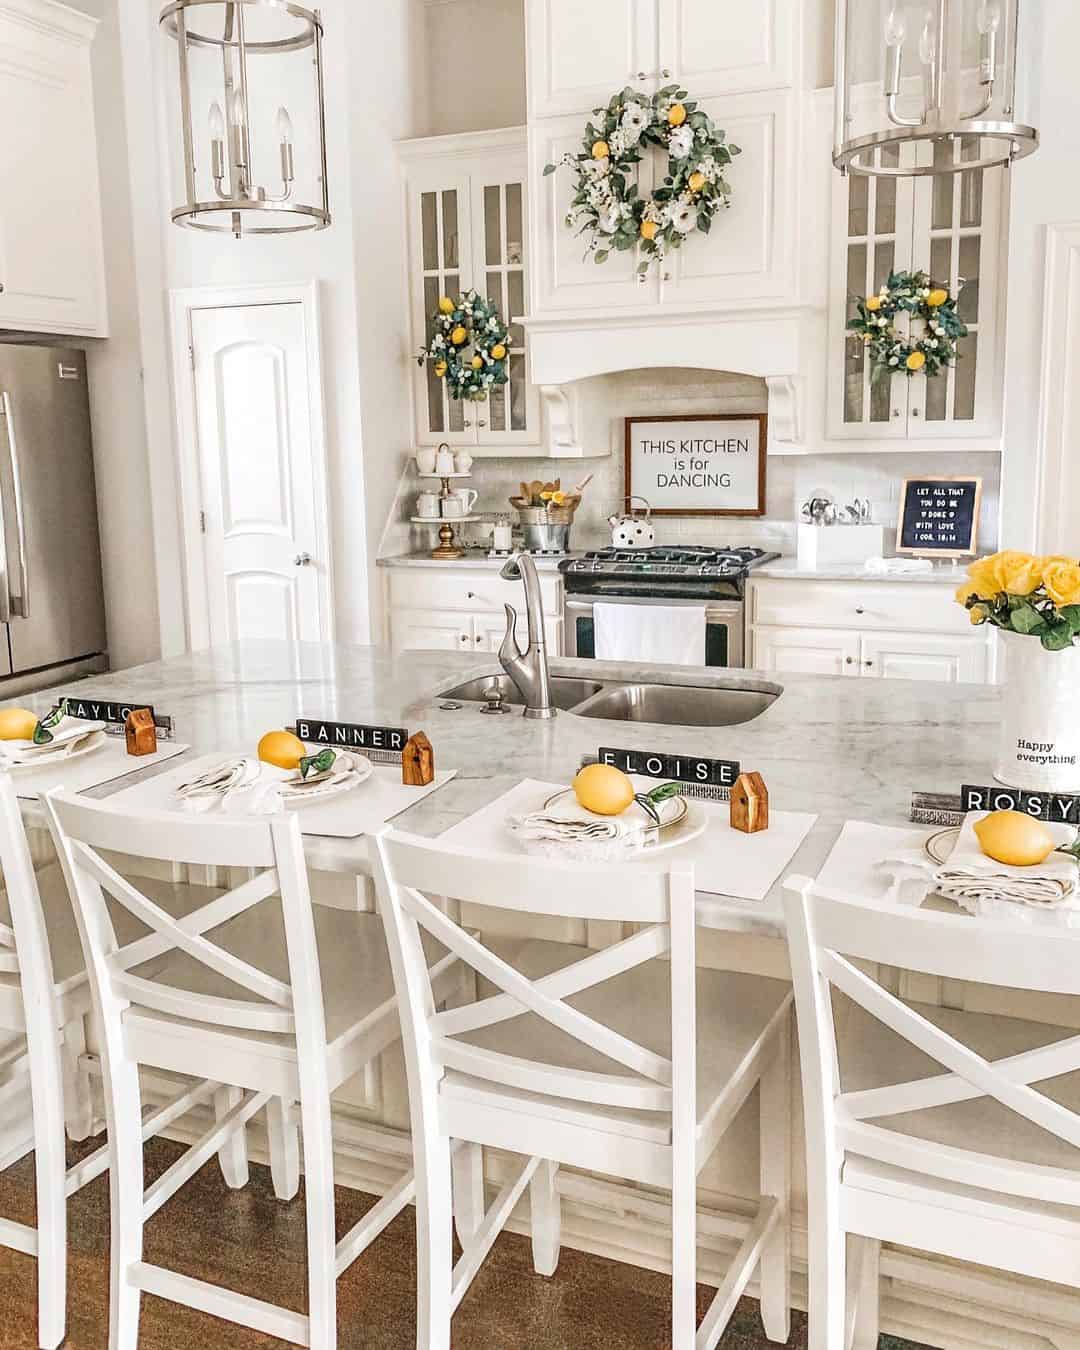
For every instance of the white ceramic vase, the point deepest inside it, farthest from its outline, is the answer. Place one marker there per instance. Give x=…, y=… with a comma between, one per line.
x=1039, y=748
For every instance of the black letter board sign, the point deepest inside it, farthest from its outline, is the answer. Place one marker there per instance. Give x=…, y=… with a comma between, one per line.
x=351, y=736
x=939, y=517
x=1062, y=807
x=679, y=768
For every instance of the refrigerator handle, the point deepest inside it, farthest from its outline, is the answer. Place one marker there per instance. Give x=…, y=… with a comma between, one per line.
x=5, y=590
x=23, y=603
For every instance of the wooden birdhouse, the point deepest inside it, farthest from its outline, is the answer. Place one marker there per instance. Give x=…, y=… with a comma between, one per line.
x=750, y=804
x=417, y=761
x=140, y=732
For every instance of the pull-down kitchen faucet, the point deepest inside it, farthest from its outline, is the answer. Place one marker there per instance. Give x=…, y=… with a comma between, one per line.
x=529, y=669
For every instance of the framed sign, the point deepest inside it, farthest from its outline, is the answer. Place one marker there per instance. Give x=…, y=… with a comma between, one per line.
x=939, y=517
x=712, y=464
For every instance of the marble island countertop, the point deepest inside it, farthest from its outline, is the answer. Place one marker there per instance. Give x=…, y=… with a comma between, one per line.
x=844, y=749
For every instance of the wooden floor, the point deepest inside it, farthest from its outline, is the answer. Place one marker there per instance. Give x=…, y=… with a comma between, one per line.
x=252, y=1242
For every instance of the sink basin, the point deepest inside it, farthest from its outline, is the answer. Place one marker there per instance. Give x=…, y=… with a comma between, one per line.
x=567, y=691
x=679, y=705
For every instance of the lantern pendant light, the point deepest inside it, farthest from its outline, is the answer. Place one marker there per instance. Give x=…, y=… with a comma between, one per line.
x=912, y=74
x=240, y=64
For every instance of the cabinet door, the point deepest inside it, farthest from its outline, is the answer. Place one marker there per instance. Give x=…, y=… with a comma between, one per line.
x=488, y=631
x=51, y=256
x=431, y=630
x=825, y=651
x=440, y=257
x=748, y=253
x=564, y=277
x=500, y=218
x=579, y=54
x=925, y=656
x=718, y=49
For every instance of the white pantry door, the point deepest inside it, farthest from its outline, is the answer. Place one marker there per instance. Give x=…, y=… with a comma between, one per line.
x=266, y=555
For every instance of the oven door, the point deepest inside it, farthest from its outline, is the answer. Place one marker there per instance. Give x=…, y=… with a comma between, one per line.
x=724, y=625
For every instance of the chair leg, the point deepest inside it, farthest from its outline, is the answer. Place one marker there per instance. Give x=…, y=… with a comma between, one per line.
x=50, y=1166
x=319, y=1207
x=866, y=1296
x=232, y=1157
x=684, y=1258
x=126, y=1203
x=827, y=1268
x=774, y=1099
x=78, y=1094
x=546, y=1215
x=434, y=1269
x=283, y=1134
x=467, y=1173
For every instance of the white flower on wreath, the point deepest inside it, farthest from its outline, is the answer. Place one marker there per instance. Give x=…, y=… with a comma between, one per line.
x=607, y=222
x=684, y=216
x=658, y=212
x=709, y=168
x=596, y=168
x=617, y=143
x=681, y=142
x=634, y=120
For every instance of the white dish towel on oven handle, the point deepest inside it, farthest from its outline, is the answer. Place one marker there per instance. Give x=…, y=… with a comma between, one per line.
x=661, y=634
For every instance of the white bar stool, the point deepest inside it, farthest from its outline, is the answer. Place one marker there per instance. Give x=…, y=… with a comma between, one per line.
x=615, y=1061
x=923, y=1124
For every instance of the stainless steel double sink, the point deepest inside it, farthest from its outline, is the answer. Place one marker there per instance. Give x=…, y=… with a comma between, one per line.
x=683, y=705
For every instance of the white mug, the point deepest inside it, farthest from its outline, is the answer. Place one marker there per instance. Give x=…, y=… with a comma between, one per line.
x=467, y=498
x=427, y=505
x=425, y=459
x=453, y=507
x=444, y=461
x=462, y=461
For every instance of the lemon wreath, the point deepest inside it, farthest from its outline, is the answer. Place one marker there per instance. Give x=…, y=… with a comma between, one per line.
x=607, y=205
x=890, y=352
x=468, y=346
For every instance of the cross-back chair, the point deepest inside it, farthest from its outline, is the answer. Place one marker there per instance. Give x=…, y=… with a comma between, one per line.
x=273, y=996
x=44, y=1000
x=953, y=1132
x=627, y=1061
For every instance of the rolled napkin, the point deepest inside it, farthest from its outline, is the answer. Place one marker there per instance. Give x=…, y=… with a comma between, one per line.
x=236, y=787
x=980, y=884
x=68, y=733
x=884, y=567
x=599, y=840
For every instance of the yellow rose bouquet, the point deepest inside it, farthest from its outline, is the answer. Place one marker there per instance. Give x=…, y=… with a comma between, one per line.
x=1036, y=597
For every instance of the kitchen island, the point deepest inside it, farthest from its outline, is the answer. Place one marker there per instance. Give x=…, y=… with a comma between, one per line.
x=838, y=748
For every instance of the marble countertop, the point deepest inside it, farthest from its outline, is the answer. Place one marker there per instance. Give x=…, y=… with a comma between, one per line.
x=788, y=569
x=845, y=749
x=472, y=561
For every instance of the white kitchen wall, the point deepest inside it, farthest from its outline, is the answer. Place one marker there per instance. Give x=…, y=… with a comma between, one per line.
x=474, y=58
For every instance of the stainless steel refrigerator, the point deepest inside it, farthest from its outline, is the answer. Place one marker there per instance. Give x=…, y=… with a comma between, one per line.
x=52, y=608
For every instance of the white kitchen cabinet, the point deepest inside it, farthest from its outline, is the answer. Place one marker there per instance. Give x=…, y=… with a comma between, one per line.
x=925, y=656
x=462, y=610
x=467, y=227
x=430, y=630
x=579, y=55
x=786, y=651
x=52, y=269
x=950, y=226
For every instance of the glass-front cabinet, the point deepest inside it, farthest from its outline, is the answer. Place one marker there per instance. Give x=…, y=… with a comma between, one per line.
x=947, y=224
x=468, y=227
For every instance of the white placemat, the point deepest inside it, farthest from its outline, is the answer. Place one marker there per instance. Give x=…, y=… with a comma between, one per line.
x=361, y=811
x=91, y=770
x=726, y=861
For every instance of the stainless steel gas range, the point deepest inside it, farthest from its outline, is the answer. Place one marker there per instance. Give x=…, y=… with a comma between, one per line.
x=663, y=576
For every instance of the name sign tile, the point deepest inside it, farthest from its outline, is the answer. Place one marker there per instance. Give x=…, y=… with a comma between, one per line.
x=351, y=735
x=1060, y=807
x=678, y=768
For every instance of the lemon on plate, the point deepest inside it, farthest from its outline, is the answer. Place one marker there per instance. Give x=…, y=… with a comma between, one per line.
x=282, y=749
x=1014, y=838
x=603, y=789
x=17, y=724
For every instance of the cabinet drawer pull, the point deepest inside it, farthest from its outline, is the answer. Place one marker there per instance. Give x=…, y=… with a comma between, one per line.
x=640, y=75
x=849, y=660
x=868, y=664
x=859, y=609
x=464, y=637
x=896, y=412
x=665, y=74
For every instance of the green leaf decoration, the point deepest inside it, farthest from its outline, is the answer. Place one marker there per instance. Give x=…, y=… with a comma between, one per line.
x=664, y=792
x=549, y=168
x=43, y=732
x=317, y=763
x=1026, y=618
x=1059, y=637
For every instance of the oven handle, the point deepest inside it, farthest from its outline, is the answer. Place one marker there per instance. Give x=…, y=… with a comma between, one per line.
x=718, y=611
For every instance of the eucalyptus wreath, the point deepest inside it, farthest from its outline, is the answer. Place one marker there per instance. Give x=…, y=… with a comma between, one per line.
x=607, y=204
x=929, y=350
x=468, y=347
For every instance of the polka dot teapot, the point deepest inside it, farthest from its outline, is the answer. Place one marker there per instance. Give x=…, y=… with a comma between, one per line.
x=633, y=530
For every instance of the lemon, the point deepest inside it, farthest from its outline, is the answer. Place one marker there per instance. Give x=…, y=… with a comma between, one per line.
x=676, y=115
x=648, y=229
x=873, y=302
x=477, y=362
x=696, y=181
x=458, y=336
x=603, y=789
x=498, y=351
x=17, y=724
x=915, y=361
x=282, y=748
x=600, y=150
x=937, y=297
x=440, y=368
x=446, y=305
x=1014, y=838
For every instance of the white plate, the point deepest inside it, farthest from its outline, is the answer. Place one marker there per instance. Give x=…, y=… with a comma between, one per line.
x=939, y=846
x=63, y=752
x=688, y=824
x=348, y=771
x=565, y=804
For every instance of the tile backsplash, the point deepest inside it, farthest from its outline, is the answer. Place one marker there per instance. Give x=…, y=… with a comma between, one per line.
x=791, y=479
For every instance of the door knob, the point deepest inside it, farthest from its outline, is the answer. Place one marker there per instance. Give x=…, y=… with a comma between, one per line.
x=849, y=660
x=303, y=560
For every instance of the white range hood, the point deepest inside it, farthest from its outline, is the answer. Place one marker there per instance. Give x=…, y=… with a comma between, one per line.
x=564, y=350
